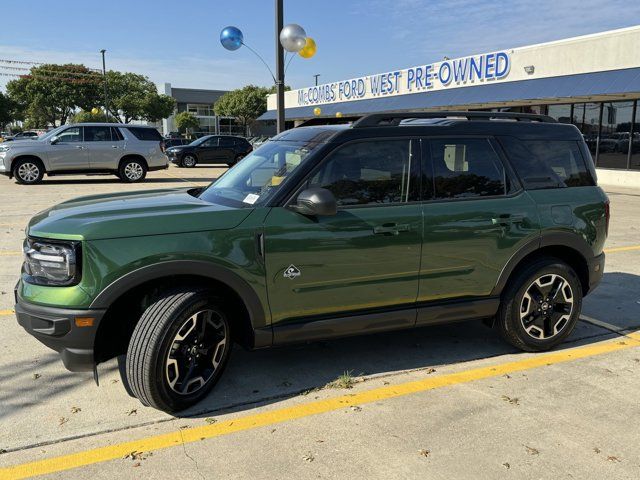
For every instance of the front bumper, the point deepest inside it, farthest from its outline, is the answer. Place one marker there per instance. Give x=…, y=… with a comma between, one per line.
x=596, y=271
x=56, y=328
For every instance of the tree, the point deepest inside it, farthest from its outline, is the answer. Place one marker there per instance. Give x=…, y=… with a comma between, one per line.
x=85, y=116
x=186, y=121
x=135, y=97
x=245, y=104
x=51, y=93
x=10, y=110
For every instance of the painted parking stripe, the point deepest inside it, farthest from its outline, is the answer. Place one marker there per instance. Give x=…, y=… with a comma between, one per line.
x=250, y=422
x=622, y=249
x=6, y=312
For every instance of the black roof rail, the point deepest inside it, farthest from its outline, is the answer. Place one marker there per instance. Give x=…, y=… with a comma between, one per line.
x=393, y=119
x=329, y=121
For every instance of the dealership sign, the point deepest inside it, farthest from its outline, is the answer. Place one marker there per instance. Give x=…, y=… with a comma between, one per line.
x=466, y=71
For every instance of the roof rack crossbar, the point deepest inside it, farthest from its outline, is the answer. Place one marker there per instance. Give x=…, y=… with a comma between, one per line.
x=392, y=119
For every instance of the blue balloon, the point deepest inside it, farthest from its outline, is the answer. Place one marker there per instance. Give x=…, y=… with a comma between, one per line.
x=231, y=38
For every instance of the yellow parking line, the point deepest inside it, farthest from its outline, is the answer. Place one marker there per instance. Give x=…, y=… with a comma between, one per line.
x=9, y=254
x=6, y=312
x=622, y=249
x=180, y=178
x=250, y=422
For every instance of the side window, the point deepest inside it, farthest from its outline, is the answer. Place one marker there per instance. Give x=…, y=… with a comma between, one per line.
x=73, y=134
x=116, y=135
x=145, y=133
x=548, y=163
x=227, y=142
x=212, y=142
x=370, y=172
x=466, y=168
x=97, y=134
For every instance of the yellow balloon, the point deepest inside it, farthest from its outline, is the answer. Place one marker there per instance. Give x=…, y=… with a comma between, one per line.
x=317, y=111
x=338, y=114
x=95, y=111
x=309, y=49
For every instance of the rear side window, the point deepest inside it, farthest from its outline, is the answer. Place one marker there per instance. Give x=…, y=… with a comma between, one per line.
x=116, y=136
x=142, y=133
x=466, y=168
x=548, y=163
x=227, y=142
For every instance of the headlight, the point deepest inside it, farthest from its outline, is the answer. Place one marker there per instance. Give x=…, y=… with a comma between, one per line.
x=4, y=148
x=51, y=262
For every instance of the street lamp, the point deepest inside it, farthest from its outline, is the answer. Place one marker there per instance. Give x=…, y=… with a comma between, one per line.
x=291, y=38
x=104, y=77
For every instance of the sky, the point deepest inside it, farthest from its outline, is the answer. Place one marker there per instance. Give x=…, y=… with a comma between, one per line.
x=178, y=41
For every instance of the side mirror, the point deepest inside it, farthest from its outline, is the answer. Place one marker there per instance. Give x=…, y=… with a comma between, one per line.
x=54, y=140
x=316, y=201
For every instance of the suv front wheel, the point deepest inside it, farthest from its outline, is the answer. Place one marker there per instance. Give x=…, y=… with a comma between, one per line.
x=541, y=306
x=178, y=349
x=132, y=170
x=28, y=171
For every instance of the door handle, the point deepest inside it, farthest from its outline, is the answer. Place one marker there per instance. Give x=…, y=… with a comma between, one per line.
x=114, y=146
x=79, y=147
x=390, y=229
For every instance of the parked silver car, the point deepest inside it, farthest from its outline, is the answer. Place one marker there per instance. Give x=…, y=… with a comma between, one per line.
x=128, y=151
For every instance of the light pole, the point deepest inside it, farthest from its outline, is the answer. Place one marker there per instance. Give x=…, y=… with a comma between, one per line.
x=279, y=69
x=104, y=77
x=316, y=77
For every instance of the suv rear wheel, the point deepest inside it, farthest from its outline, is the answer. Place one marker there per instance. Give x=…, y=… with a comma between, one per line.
x=132, y=170
x=28, y=171
x=541, y=306
x=178, y=349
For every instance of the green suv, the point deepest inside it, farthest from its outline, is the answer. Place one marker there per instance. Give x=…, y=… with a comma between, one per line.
x=396, y=221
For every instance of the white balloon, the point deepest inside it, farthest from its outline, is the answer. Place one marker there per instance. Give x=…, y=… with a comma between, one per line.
x=293, y=38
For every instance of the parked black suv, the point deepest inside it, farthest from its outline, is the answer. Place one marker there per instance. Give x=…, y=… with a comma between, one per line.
x=213, y=149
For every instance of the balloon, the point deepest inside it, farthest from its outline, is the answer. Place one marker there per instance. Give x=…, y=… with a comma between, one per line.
x=94, y=111
x=231, y=38
x=338, y=114
x=317, y=111
x=293, y=38
x=309, y=49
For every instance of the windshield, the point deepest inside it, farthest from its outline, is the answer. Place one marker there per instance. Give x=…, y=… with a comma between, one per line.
x=259, y=175
x=51, y=133
x=200, y=140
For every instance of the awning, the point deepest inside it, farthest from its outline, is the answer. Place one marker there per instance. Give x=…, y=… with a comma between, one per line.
x=614, y=82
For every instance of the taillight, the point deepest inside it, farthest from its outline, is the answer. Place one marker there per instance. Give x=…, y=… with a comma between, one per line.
x=607, y=215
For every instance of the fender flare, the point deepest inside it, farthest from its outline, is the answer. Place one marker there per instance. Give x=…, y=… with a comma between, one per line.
x=551, y=239
x=135, y=278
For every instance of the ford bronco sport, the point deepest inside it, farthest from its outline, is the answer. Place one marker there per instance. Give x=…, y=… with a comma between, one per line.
x=396, y=221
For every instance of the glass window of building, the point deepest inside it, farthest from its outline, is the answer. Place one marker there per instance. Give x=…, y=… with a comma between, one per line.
x=562, y=113
x=613, y=148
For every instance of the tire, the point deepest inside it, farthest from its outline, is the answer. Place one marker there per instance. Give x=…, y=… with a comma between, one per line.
x=526, y=319
x=188, y=161
x=132, y=170
x=161, y=364
x=28, y=171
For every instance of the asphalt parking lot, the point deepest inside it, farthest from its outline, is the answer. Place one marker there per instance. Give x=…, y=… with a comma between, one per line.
x=441, y=402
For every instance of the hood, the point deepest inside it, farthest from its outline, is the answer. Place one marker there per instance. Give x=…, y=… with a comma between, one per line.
x=150, y=212
x=20, y=142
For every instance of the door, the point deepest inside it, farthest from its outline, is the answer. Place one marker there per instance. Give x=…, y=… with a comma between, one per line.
x=207, y=151
x=364, y=258
x=478, y=217
x=104, y=147
x=68, y=152
x=226, y=150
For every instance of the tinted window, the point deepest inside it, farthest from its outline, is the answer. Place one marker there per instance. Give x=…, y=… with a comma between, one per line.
x=466, y=167
x=227, y=142
x=370, y=172
x=547, y=164
x=72, y=134
x=212, y=142
x=142, y=133
x=97, y=134
x=116, y=135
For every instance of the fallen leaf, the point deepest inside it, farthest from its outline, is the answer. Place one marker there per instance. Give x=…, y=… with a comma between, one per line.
x=133, y=411
x=356, y=408
x=115, y=380
x=430, y=370
x=596, y=449
x=424, y=452
x=506, y=465
x=210, y=420
x=137, y=464
x=183, y=427
x=62, y=420
x=532, y=451
x=36, y=376
x=614, y=459
x=309, y=457
x=512, y=401
x=75, y=409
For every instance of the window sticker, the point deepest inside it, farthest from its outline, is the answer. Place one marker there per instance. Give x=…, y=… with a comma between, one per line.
x=251, y=198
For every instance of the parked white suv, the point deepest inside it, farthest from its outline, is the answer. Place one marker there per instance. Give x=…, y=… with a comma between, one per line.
x=128, y=151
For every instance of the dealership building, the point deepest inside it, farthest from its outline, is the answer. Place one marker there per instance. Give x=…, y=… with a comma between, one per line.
x=592, y=81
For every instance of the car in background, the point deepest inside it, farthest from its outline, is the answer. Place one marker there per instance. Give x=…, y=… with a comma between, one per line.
x=29, y=135
x=127, y=151
x=210, y=149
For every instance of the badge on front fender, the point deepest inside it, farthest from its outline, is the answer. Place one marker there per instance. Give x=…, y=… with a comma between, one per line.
x=292, y=272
